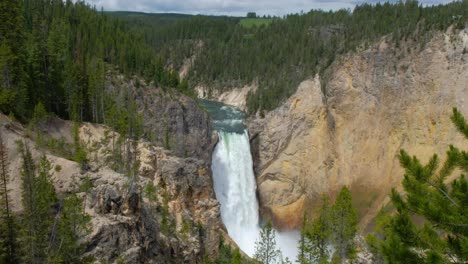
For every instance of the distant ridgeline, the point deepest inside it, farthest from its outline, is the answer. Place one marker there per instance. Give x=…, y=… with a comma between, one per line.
x=57, y=53
x=280, y=53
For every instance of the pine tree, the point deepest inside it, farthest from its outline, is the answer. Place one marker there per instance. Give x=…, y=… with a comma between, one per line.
x=236, y=257
x=46, y=200
x=29, y=223
x=8, y=229
x=13, y=94
x=38, y=197
x=80, y=155
x=443, y=238
x=51, y=230
x=97, y=90
x=265, y=248
x=226, y=255
x=86, y=187
x=302, y=247
x=57, y=46
x=317, y=235
x=344, y=224
x=7, y=95
x=73, y=223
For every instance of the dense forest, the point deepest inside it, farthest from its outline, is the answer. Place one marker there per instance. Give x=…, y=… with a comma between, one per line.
x=290, y=49
x=57, y=53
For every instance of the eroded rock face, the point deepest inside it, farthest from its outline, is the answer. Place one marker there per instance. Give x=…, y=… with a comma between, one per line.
x=178, y=124
x=124, y=216
x=170, y=119
x=349, y=130
x=285, y=148
x=127, y=224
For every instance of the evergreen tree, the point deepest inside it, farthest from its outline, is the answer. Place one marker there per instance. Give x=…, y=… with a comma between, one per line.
x=236, y=258
x=344, y=224
x=57, y=46
x=8, y=229
x=224, y=253
x=46, y=201
x=87, y=185
x=302, y=247
x=39, y=114
x=38, y=201
x=29, y=223
x=73, y=223
x=50, y=229
x=316, y=236
x=80, y=153
x=97, y=90
x=443, y=237
x=7, y=94
x=265, y=248
x=13, y=94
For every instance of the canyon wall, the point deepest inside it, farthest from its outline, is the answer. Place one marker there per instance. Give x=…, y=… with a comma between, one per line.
x=347, y=127
x=178, y=223
x=170, y=119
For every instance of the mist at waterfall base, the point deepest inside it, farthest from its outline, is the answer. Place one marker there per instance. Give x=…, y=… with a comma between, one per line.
x=235, y=185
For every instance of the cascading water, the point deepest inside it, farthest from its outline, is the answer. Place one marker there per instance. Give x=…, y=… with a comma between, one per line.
x=235, y=186
x=234, y=181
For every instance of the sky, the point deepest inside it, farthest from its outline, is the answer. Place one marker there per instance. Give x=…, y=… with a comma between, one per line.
x=232, y=7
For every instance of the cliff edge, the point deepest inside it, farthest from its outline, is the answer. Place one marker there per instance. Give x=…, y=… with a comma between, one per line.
x=347, y=127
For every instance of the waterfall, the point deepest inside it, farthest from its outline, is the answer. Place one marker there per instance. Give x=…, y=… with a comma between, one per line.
x=234, y=184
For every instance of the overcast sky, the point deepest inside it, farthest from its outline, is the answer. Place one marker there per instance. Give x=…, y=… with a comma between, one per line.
x=231, y=7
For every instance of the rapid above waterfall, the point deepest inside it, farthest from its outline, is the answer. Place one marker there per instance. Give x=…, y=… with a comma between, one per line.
x=234, y=181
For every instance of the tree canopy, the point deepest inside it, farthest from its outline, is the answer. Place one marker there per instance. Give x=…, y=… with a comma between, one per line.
x=441, y=234
x=332, y=230
x=58, y=52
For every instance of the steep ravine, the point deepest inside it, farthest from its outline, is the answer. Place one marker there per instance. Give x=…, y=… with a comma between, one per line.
x=348, y=129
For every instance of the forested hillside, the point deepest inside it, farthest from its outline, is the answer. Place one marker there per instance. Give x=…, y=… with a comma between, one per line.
x=83, y=192
x=297, y=47
x=67, y=60
x=57, y=53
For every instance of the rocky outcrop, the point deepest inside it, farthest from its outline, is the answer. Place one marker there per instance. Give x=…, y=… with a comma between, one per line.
x=183, y=188
x=347, y=127
x=179, y=223
x=178, y=124
x=170, y=119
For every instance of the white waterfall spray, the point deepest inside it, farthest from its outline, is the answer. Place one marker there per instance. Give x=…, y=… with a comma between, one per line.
x=235, y=186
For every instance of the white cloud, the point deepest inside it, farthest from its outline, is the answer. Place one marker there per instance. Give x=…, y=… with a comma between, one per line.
x=230, y=7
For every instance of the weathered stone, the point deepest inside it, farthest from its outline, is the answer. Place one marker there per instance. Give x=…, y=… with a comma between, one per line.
x=126, y=225
x=349, y=130
x=177, y=123
x=132, y=203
